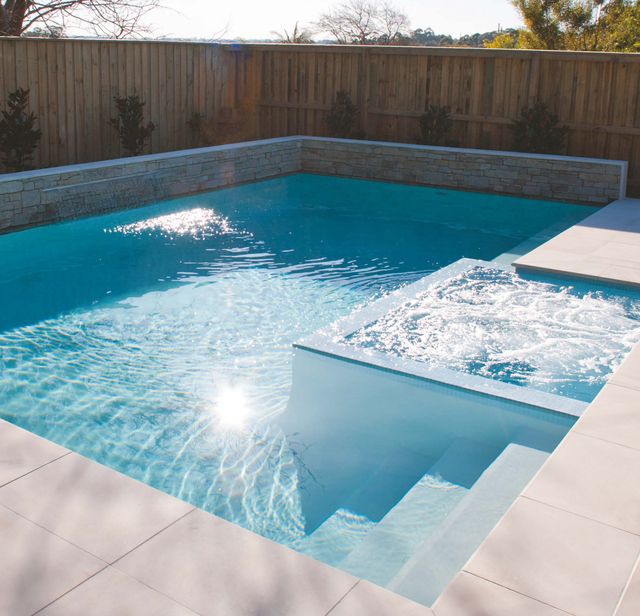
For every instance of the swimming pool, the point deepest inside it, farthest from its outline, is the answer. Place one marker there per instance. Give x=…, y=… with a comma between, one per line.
x=158, y=340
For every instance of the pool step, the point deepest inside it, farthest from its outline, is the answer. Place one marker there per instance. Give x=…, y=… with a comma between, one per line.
x=443, y=554
x=388, y=545
x=336, y=537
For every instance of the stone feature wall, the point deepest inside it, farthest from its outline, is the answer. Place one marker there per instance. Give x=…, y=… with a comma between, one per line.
x=560, y=178
x=51, y=195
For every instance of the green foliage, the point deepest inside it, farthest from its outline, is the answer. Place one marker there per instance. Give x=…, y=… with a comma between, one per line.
x=581, y=25
x=132, y=131
x=18, y=135
x=539, y=131
x=435, y=126
x=297, y=36
x=343, y=117
x=504, y=40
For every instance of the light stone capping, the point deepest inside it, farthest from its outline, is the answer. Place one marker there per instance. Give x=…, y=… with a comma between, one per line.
x=50, y=195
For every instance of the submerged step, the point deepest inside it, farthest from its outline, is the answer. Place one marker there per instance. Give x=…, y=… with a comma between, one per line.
x=443, y=554
x=393, y=540
x=335, y=537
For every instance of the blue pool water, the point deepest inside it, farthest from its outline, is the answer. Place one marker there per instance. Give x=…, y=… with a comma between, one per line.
x=158, y=341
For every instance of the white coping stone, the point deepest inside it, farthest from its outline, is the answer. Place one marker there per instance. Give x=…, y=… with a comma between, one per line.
x=592, y=478
x=558, y=558
x=92, y=506
x=367, y=599
x=22, y=452
x=628, y=374
x=605, y=246
x=472, y=596
x=215, y=567
x=36, y=566
x=613, y=416
x=112, y=593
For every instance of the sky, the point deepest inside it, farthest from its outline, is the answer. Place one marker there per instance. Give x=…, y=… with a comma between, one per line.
x=257, y=19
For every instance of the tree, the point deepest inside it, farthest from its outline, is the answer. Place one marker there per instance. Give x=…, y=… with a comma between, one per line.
x=298, y=36
x=132, y=131
x=18, y=135
x=583, y=25
x=343, y=116
x=538, y=130
x=364, y=22
x=115, y=18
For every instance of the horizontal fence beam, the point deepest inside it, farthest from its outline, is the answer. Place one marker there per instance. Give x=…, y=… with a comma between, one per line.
x=245, y=91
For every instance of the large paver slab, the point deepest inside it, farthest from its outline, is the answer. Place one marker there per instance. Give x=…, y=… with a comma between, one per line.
x=628, y=374
x=469, y=595
x=630, y=603
x=92, y=506
x=592, y=478
x=36, y=567
x=112, y=593
x=558, y=558
x=605, y=246
x=613, y=416
x=217, y=568
x=367, y=599
x=22, y=452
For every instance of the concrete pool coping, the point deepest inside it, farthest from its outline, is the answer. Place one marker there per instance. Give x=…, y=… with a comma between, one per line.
x=80, y=538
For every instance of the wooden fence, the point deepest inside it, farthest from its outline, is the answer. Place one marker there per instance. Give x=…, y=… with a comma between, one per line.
x=247, y=91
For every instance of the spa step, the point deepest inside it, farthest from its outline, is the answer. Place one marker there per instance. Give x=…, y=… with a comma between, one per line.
x=388, y=545
x=336, y=537
x=443, y=554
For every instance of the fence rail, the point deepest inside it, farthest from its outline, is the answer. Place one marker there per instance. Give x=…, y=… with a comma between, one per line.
x=248, y=91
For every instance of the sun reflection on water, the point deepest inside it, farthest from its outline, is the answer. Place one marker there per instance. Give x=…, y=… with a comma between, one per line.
x=196, y=223
x=231, y=407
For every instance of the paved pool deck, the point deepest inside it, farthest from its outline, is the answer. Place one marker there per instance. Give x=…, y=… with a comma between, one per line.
x=77, y=538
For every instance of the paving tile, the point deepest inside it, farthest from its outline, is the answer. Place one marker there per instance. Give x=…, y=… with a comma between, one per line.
x=468, y=595
x=613, y=416
x=367, y=599
x=111, y=593
x=558, y=558
x=628, y=374
x=550, y=258
x=217, y=568
x=21, y=452
x=630, y=603
x=36, y=567
x=593, y=478
x=613, y=251
x=92, y=506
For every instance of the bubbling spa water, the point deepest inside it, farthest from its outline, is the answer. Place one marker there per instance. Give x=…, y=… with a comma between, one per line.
x=491, y=322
